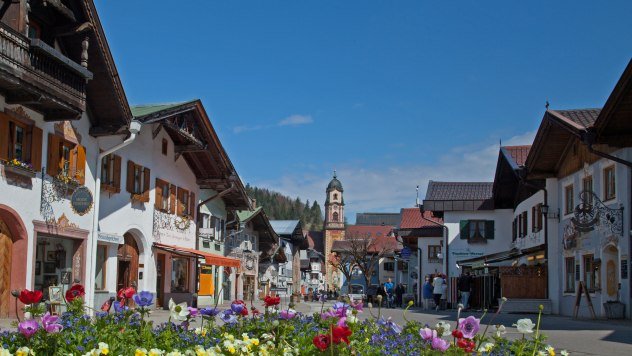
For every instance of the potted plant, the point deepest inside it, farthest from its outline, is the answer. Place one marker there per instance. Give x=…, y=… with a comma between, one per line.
x=18, y=167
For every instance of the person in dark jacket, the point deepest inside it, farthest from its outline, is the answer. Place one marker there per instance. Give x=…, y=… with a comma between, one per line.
x=427, y=293
x=399, y=293
x=381, y=291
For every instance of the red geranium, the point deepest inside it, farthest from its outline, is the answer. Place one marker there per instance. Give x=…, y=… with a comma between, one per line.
x=126, y=293
x=76, y=291
x=341, y=333
x=30, y=297
x=467, y=345
x=270, y=301
x=244, y=312
x=321, y=342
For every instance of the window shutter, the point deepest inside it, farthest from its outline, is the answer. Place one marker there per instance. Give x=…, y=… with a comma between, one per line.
x=116, y=180
x=465, y=229
x=172, y=199
x=36, y=148
x=80, y=164
x=192, y=205
x=513, y=230
x=524, y=222
x=130, y=176
x=179, y=206
x=158, y=194
x=146, y=183
x=489, y=229
x=53, y=155
x=4, y=137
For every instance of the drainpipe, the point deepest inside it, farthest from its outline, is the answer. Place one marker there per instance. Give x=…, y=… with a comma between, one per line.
x=447, y=244
x=134, y=129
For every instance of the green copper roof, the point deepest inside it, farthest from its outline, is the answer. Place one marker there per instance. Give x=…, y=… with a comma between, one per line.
x=245, y=215
x=142, y=110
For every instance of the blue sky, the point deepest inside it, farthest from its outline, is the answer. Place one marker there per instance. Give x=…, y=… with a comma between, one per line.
x=389, y=93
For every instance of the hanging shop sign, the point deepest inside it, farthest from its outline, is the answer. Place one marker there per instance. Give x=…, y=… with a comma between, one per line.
x=81, y=200
x=110, y=238
x=406, y=253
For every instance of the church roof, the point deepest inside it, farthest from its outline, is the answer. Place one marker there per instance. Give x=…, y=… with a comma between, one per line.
x=334, y=184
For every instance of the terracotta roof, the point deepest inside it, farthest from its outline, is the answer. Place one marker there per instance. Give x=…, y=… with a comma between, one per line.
x=583, y=117
x=459, y=190
x=380, y=242
x=411, y=219
x=518, y=153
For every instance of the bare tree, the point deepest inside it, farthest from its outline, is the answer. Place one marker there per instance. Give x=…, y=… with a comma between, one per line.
x=342, y=262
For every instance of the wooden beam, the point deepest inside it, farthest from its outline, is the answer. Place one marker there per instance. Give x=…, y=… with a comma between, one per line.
x=97, y=131
x=155, y=132
x=189, y=148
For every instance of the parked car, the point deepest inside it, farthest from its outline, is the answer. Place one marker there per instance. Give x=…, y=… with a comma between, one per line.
x=356, y=292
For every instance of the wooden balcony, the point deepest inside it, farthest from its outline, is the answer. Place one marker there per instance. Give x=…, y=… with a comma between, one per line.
x=36, y=75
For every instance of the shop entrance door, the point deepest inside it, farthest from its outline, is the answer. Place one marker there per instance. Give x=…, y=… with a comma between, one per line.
x=249, y=287
x=127, y=263
x=160, y=279
x=6, y=245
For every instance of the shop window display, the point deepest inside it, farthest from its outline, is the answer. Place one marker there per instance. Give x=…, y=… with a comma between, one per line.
x=54, y=258
x=179, y=275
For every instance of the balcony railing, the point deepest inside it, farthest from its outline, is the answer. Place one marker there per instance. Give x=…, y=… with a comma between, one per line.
x=58, y=81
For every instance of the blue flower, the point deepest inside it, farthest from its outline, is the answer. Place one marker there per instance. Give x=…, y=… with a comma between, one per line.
x=209, y=311
x=144, y=299
x=228, y=317
x=118, y=307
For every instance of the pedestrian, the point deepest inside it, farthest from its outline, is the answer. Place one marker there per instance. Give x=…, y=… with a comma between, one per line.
x=444, y=294
x=437, y=290
x=427, y=292
x=465, y=287
x=399, y=293
x=381, y=291
x=389, y=286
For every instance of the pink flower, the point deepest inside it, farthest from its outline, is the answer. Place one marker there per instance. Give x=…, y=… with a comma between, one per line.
x=469, y=326
x=427, y=334
x=342, y=321
x=28, y=328
x=51, y=323
x=287, y=314
x=440, y=344
x=193, y=312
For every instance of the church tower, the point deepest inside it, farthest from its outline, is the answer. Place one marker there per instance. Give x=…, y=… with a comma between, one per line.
x=334, y=226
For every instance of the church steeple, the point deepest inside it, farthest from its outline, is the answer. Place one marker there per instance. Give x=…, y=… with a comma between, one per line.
x=334, y=204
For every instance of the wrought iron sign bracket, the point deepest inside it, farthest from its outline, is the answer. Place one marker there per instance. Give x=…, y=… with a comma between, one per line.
x=592, y=212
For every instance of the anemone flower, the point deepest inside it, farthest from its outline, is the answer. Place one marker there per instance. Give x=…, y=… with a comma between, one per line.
x=228, y=317
x=341, y=333
x=76, y=291
x=439, y=344
x=144, y=299
x=193, y=312
x=178, y=311
x=321, y=342
x=210, y=312
x=236, y=308
x=30, y=297
x=28, y=328
x=427, y=334
x=119, y=307
x=287, y=314
x=469, y=326
x=270, y=301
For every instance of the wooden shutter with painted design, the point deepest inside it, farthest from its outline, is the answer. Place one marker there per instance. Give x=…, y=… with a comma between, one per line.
x=130, y=176
x=172, y=199
x=116, y=179
x=192, y=205
x=36, y=148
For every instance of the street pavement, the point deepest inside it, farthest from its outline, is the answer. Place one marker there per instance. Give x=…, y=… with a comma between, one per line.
x=579, y=337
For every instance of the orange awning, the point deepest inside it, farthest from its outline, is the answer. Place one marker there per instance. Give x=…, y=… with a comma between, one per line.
x=210, y=258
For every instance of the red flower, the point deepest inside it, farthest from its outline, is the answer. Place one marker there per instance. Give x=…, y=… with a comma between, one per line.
x=321, y=342
x=270, y=301
x=76, y=291
x=126, y=293
x=467, y=345
x=30, y=297
x=341, y=333
x=244, y=312
x=457, y=333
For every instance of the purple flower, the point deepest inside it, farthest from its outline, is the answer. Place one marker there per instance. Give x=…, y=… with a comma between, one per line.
x=427, y=334
x=236, y=308
x=119, y=307
x=193, y=312
x=322, y=298
x=390, y=324
x=339, y=305
x=143, y=299
x=209, y=311
x=28, y=328
x=228, y=317
x=469, y=326
x=328, y=314
x=342, y=322
x=440, y=344
x=287, y=314
x=51, y=323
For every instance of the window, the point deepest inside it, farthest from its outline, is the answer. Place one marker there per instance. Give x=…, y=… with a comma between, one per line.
x=20, y=140
x=186, y=203
x=514, y=230
x=525, y=223
x=569, y=204
x=102, y=256
x=138, y=182
x=179, y=275
x=587, y=186
x=389, y=266
x=591, y=274
x=165, y=146
x=66, y=159
x=569, y=272
x=536, y=218
x=477, y=230
x=609, y=183
x=335, y=196
x=335, y=217
x=433, y=253
x=111, y=173
x=162, y=197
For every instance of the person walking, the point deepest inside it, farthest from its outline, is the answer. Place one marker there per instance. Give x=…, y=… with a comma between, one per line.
x=389, y=286
x=399, y=294
x=427, y=293
x=437, y=290
x=465, y=287
x=444, y=294
x=381, y=291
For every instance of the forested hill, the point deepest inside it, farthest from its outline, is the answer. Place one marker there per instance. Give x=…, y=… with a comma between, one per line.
x=281, y=207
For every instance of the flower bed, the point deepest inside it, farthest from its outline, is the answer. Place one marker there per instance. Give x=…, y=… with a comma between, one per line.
x=241, y=329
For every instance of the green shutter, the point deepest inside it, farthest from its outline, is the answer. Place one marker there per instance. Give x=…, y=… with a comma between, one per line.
x=489, y=229
x=465, y=229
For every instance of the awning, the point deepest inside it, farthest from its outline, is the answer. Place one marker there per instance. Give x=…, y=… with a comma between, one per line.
x=499, y=256
x=210, y=258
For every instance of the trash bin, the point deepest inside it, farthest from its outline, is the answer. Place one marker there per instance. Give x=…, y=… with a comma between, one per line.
x=614, y=310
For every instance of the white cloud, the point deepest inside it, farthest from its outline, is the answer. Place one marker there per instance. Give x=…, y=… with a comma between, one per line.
x=392, y=187
x=295, y=120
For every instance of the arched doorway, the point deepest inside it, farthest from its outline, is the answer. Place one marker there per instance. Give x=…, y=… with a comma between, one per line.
x=610, y=272
x=127, y=263
x=6, y=249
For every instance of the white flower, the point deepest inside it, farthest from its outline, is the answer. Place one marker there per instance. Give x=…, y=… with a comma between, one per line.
x=4, y=352
x=178, y=311
x=500, y=330
x=155, y=352
x=104, y=348
x=443, y=325
x=23, y=351
x=352, y=319
x=564, y=353
x=486, y=347
x=28, y=316
x=525, y=326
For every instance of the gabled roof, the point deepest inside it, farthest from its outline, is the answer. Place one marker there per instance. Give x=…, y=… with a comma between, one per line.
x=268, y=239
x=509, y=189
x=285, y=227
x=316, y=241
x=580, y=118
x=412, y=219
x=614, y=126
x=194, y=137
x=378, y=235
x=516, y=155
x=388, y=219
x=458, y=196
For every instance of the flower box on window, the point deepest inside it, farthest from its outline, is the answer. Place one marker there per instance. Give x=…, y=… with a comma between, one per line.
x=110, y=188
x=69, y=181
x=19, y=168
x=139, y=198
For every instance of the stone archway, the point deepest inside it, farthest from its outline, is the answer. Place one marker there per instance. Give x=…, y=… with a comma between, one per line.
x=128, y=256
x=610, y=271
x=13, y=243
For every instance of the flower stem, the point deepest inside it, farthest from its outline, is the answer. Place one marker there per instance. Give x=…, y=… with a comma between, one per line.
x=537, y=330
